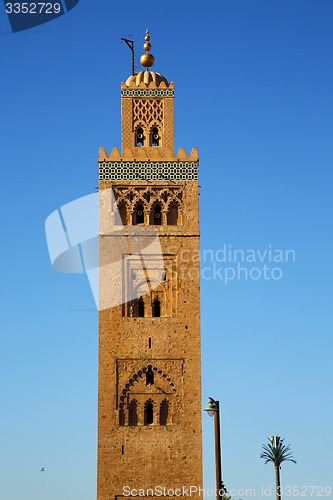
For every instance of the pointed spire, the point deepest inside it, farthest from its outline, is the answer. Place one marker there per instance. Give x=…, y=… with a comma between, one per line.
x=147, y=60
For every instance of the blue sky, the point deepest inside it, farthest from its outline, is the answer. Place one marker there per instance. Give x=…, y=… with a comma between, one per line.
x=253, y=91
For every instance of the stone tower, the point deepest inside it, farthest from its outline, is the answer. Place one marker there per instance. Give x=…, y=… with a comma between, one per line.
x=149, y=389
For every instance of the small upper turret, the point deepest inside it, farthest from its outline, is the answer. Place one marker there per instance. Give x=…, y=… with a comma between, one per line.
x=147, y=124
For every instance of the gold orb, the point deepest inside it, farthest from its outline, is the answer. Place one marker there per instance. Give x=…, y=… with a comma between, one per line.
x=147, y=46
x=147, y=60
x=147, y=38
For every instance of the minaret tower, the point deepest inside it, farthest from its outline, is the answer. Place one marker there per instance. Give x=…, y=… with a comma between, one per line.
x=149, y=388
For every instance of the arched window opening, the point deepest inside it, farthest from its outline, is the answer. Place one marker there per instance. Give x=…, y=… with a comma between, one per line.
x=155, y=138
x=164, y=412
x=141, y=309
x=149, y=413
x=149, y=376
x=156, y=216
x=139, y=137
x=156, y=308
x=138, y=215
x=172, y=217
x=123, y=215
x=121, y=417
x=133, y=413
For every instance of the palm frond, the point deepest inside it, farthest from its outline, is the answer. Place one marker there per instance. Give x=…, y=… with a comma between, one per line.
x=277, y=452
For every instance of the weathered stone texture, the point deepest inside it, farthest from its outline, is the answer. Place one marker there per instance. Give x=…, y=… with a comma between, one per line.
x=132, y=450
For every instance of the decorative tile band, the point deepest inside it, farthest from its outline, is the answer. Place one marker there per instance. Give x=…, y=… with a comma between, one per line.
x=149, y=171
x=147, y=93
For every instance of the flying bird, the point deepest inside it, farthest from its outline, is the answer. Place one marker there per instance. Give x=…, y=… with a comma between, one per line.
x=42, y=469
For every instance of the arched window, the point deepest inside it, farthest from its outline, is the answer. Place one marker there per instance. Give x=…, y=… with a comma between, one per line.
x=155, y=216
x=164, y=412
x=138, y=215
x=156, y=308
x=149, y=376
x=133, y=413
x=139, y=138
x=122, y=219
x=149, y=413
x=155, y=138
x=172, y=217
x=141, y=309
x=121, y=417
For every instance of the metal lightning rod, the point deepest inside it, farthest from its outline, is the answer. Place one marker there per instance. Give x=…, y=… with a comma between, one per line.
x=130, y=44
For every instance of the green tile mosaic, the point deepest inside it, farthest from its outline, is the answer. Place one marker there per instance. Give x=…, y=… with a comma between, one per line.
x=148, y=171
x=147, y=93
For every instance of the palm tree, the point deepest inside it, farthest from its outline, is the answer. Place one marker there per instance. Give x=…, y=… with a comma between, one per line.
x=277, y=452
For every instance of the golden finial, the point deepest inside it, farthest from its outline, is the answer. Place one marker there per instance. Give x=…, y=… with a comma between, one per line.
x=147, y=60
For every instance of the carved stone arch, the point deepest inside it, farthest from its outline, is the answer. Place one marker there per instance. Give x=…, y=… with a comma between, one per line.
x=164, y=412
x=137, y=217
x=133, y=408
x=129, y=195
x=156, y=215
x=120, y=199
x=149, y=417
x=139, y=375
x=138, y=199
x=157, y=302
x=174, y=199
x=165, y=194
x=137, y=126
x=174, y=212
x=147, y=194
x=154, y=124
x=158, y=126
x=139, y=305
x=156, y=198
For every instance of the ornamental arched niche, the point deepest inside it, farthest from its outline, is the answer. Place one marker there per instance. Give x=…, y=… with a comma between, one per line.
x=155, y=134
x=137, y=205
x=149, y=398
x=156, y=213
x=140, y=212
x=174, y=212
x=140, y=135
x=139, y=306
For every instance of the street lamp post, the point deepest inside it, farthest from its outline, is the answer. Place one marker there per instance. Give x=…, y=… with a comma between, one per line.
x=213, y=408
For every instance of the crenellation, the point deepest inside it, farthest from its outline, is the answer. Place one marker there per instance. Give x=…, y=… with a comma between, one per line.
x=148, y=154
